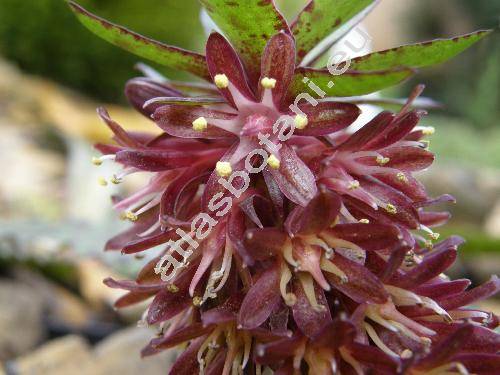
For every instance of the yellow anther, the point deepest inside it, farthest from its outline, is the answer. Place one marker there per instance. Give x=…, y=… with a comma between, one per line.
x=391, y=208
x=172, y=288
x=200, y=124
x=197, y=301
x=434, y=236
x=223, y=168
x=102, y=181
x=221, y=81
x=123, y=216
x=354, y=184
x=301, y=121
x=131, y=216
x=406, y=354
x=401, y=177
x=429, y=130
x=96, y=161
x=268, y=83
x=428, y=244
x=273, y=162
x=382, y=160
x=364, y=221
x=115, y=180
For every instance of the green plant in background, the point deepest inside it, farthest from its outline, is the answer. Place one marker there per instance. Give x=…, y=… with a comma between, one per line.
x=44, y=39
x=472, y=94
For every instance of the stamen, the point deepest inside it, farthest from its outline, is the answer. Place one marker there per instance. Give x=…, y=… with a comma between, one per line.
x=332, y=268
x=200, y=124
x=197, y=301
x=223, y=168
x=288, y=254
x=115, y=180
x=406, y=354
x=100, y=160
x=102, y=181
x=289, y=298
x=402, y=177
x=432, y=235
x=376, y=339
x=429, y=130
x=346, y=356
x=308, y=285
x=221, y=81
x=300, y=122
x=382, y=160
x=354, y=184
x=172, y=288
x=268, y=83
x=364, y=221
x=273, y=162
x=131, y=216
x=390, y=208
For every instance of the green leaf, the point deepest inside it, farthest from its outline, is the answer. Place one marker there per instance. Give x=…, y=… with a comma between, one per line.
x=160, y=53
x=248, y=24
x=347, y=84
x=321, y=18
x=417, y=55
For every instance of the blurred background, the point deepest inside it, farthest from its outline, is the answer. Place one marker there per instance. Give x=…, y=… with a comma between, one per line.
x=55, y=314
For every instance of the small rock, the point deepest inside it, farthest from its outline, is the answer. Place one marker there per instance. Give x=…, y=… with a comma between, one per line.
x=120, y=354
x=66, y=355
x=21, y=324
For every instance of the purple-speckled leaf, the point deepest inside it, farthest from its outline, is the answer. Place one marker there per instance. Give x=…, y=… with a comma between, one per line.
x=249, y=25
x=160, y=53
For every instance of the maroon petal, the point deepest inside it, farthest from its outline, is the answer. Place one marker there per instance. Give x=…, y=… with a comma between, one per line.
x=236, y=232
x=318, y=215
x=131, y=298
x=335, y=334
x=217, y=365
x=310, y=321
x=405, y=213
x=397, y=130
x=227, y=312
x=264, y=243
x=481, y=292
x=181, y=335
x=407, y=158
x=166, y=305
x=367, y=236
x=362, y=286
x=480, y=364
x=409, y=186
x=139, y=90
x=434, y=219
x=145, y=243
x=368, y=132
x=144, y=221
x=187, y=363
x=133, y=286
x=120, y=134
x=262, y=298
x=374, y=358
x=161, y=160
x=177, y=120
x=278, y=62
x=432, y=266
x=444, y=350
x=395, y=260
x=442, y=289
x=294, y=178
x=222, y=59
x=279, y=350
x=327, y=117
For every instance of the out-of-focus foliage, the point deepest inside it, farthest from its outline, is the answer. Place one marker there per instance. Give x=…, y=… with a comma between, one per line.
x=44, y=38
x=471, y=89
